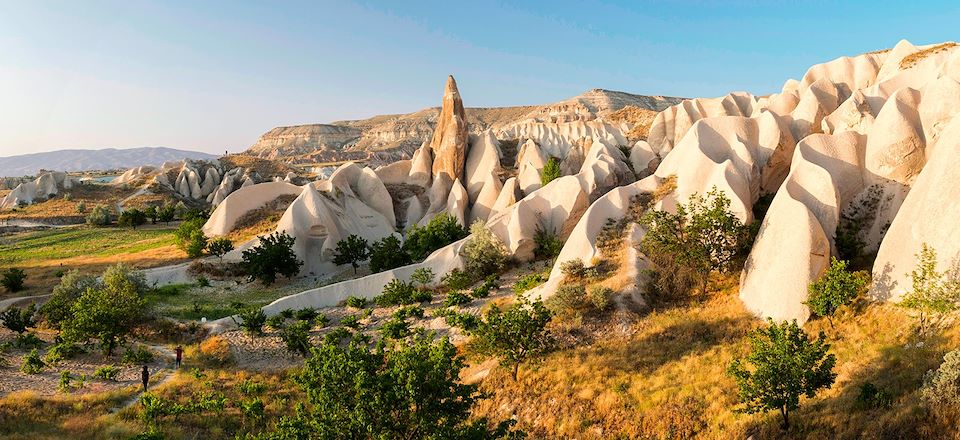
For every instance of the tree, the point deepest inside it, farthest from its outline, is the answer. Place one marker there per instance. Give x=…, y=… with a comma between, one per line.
x=932, y=292
x=386, y=254
x=152, y=213
x=13, y=279
x=189, y=237
x=81, y=207
x=423, y=276
x=110, y=311
x=58, y=308
x=785, y=364
x=352, y=250
x=836, y=288
x=440, y=231
x=411, y=391
x=166, y=213
x=271, y=257
x=296, y=336
x=219, y=246
x=17, y=319
x=132, y=217
x=702, y=236
x=550, y=171
x=484, y=253
x=100, y=216
x=514, y=334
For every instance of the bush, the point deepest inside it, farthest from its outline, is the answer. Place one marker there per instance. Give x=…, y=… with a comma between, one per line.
x=442, y=230
x=152, y=213
x=530, y=281
x=296, y=337
x=273, y=256
x=252, y=320
x=568, y=301
x=515, y=334
x=600, y=298
x=62, y=350
x=395, y=328
x=214, y=352
x=356, y=302
x=166, y=213
x=941, y=387
x=32, y=364
x=27, y=341
x=397, y=292
x=409, y=312
x=109, y=312
x=548, y=244
x=457, y=279
x=423, y=276
x=100, y=216
x=137, y=355
x=306, y=314
x=573, y=269
x=132, y=217
x=107, y=373
x=550, y=171
x=219, y=247
x=785, y=363
x=203, y=281
x=81, y=207
x=190, y=239
x=872, y=397
x=836, y=288
x=483, y=290
x=17, y=319
x=456, y=298
x=12, y=279
x=932, y=292
x=352, y=250
x=387, y=253
x=484, y=254
x=351, y=321
x=71, y=286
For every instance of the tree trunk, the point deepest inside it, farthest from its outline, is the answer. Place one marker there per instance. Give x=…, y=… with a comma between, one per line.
x=786, y=418
x=516, y=371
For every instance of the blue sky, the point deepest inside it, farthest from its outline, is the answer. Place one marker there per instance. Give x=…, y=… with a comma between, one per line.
x=215, y=75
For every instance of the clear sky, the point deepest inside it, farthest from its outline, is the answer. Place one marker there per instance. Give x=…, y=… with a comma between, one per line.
x=211, y=76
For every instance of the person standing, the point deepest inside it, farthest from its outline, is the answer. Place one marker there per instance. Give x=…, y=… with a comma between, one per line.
x=179, y=352
x=145, y=377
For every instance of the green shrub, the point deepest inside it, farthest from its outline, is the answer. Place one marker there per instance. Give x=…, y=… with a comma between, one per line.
x=870, y=396
x=296, y=337
x=71, y=286
x=100, y=216
x=466, y=321
x=397, y=292
x=32, y=364
x=336, y=335
x=189, y=237
x=62, y=350
x=568, y=301
x=395, y=328
x=442, y=230
x=530, y=281
x=12, y=279
x=351, y=321
x=306, y=314
x=81, y=207
x=409, y=312
x=836, y=288
x=17, y=319
x=484, y=254
x=27, y=341
x=600, y=298
x=273, y=256
x=573, y=269
x=456, y=298
x=219, y=247
x=932, y=292
x=356, y=302
x=483, y=290
x=941, y=387
x=276, y=322
x=422, y=276
x=550, y=171
x=252, y=320
x=166, y=213
x=110, y=311
x=352, y=250
x=64, y=385
x=515, y=334
x=387, y=253
x=132, y=217
x=457, y=279
x=137, y=355
x=548, y=243
x=107, y=372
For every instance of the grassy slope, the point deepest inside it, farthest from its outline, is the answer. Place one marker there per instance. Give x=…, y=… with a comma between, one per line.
x=42, y=253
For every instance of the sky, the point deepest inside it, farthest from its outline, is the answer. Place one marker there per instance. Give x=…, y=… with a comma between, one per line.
x=213, y=76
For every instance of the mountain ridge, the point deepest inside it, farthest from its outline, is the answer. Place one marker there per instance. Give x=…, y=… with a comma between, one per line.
x=80, y=159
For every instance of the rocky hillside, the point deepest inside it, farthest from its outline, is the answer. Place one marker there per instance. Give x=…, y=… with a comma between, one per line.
x=391, y=137
x=86, y=160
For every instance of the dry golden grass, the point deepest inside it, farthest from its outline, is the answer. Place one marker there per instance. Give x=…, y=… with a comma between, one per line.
x=59, y=208
x=665, y=377
x=264, y=167
x=914, y=58
x=260, y=221
x=640, y=118
x=25, y=415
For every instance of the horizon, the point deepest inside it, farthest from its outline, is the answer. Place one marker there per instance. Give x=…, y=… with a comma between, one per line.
x=215, y=76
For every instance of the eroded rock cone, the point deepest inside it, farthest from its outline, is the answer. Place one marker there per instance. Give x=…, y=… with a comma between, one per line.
x=449, y=143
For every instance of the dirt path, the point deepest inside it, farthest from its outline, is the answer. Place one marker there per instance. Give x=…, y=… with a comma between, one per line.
x=166, y=374
x=21, y=301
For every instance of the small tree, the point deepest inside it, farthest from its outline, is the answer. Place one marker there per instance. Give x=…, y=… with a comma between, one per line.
x=836, y=288
x=352, y=250
x=166, y=213
x=440, y=231
x=58, y=308
x=219, y=247
x=132, y=217
x=108, y=312
x=784, y=364
x=273, y=256
x=252, y=319
x=932, y=292
x=296, y=336
x=941, y=387
x=484, y=253
x=387, y=253
x=100, y=216
x=17, y=319
x=190, y=239
x=13, y=279
x=550, y=171
x=423, y=276
x=81, y=207
x=152, y=213
x=515, y=334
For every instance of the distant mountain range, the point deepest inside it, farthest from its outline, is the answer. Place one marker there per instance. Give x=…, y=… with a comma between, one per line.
x=86, y=160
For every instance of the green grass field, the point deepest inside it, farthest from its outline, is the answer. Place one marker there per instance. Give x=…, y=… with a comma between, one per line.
x=192, y=302
x=55, y=244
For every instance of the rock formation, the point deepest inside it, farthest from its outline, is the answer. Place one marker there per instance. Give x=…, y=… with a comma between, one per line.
x=449, y=142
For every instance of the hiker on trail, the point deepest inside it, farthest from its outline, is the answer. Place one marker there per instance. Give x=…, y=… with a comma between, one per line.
x=179, y=351
x=145, y=376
